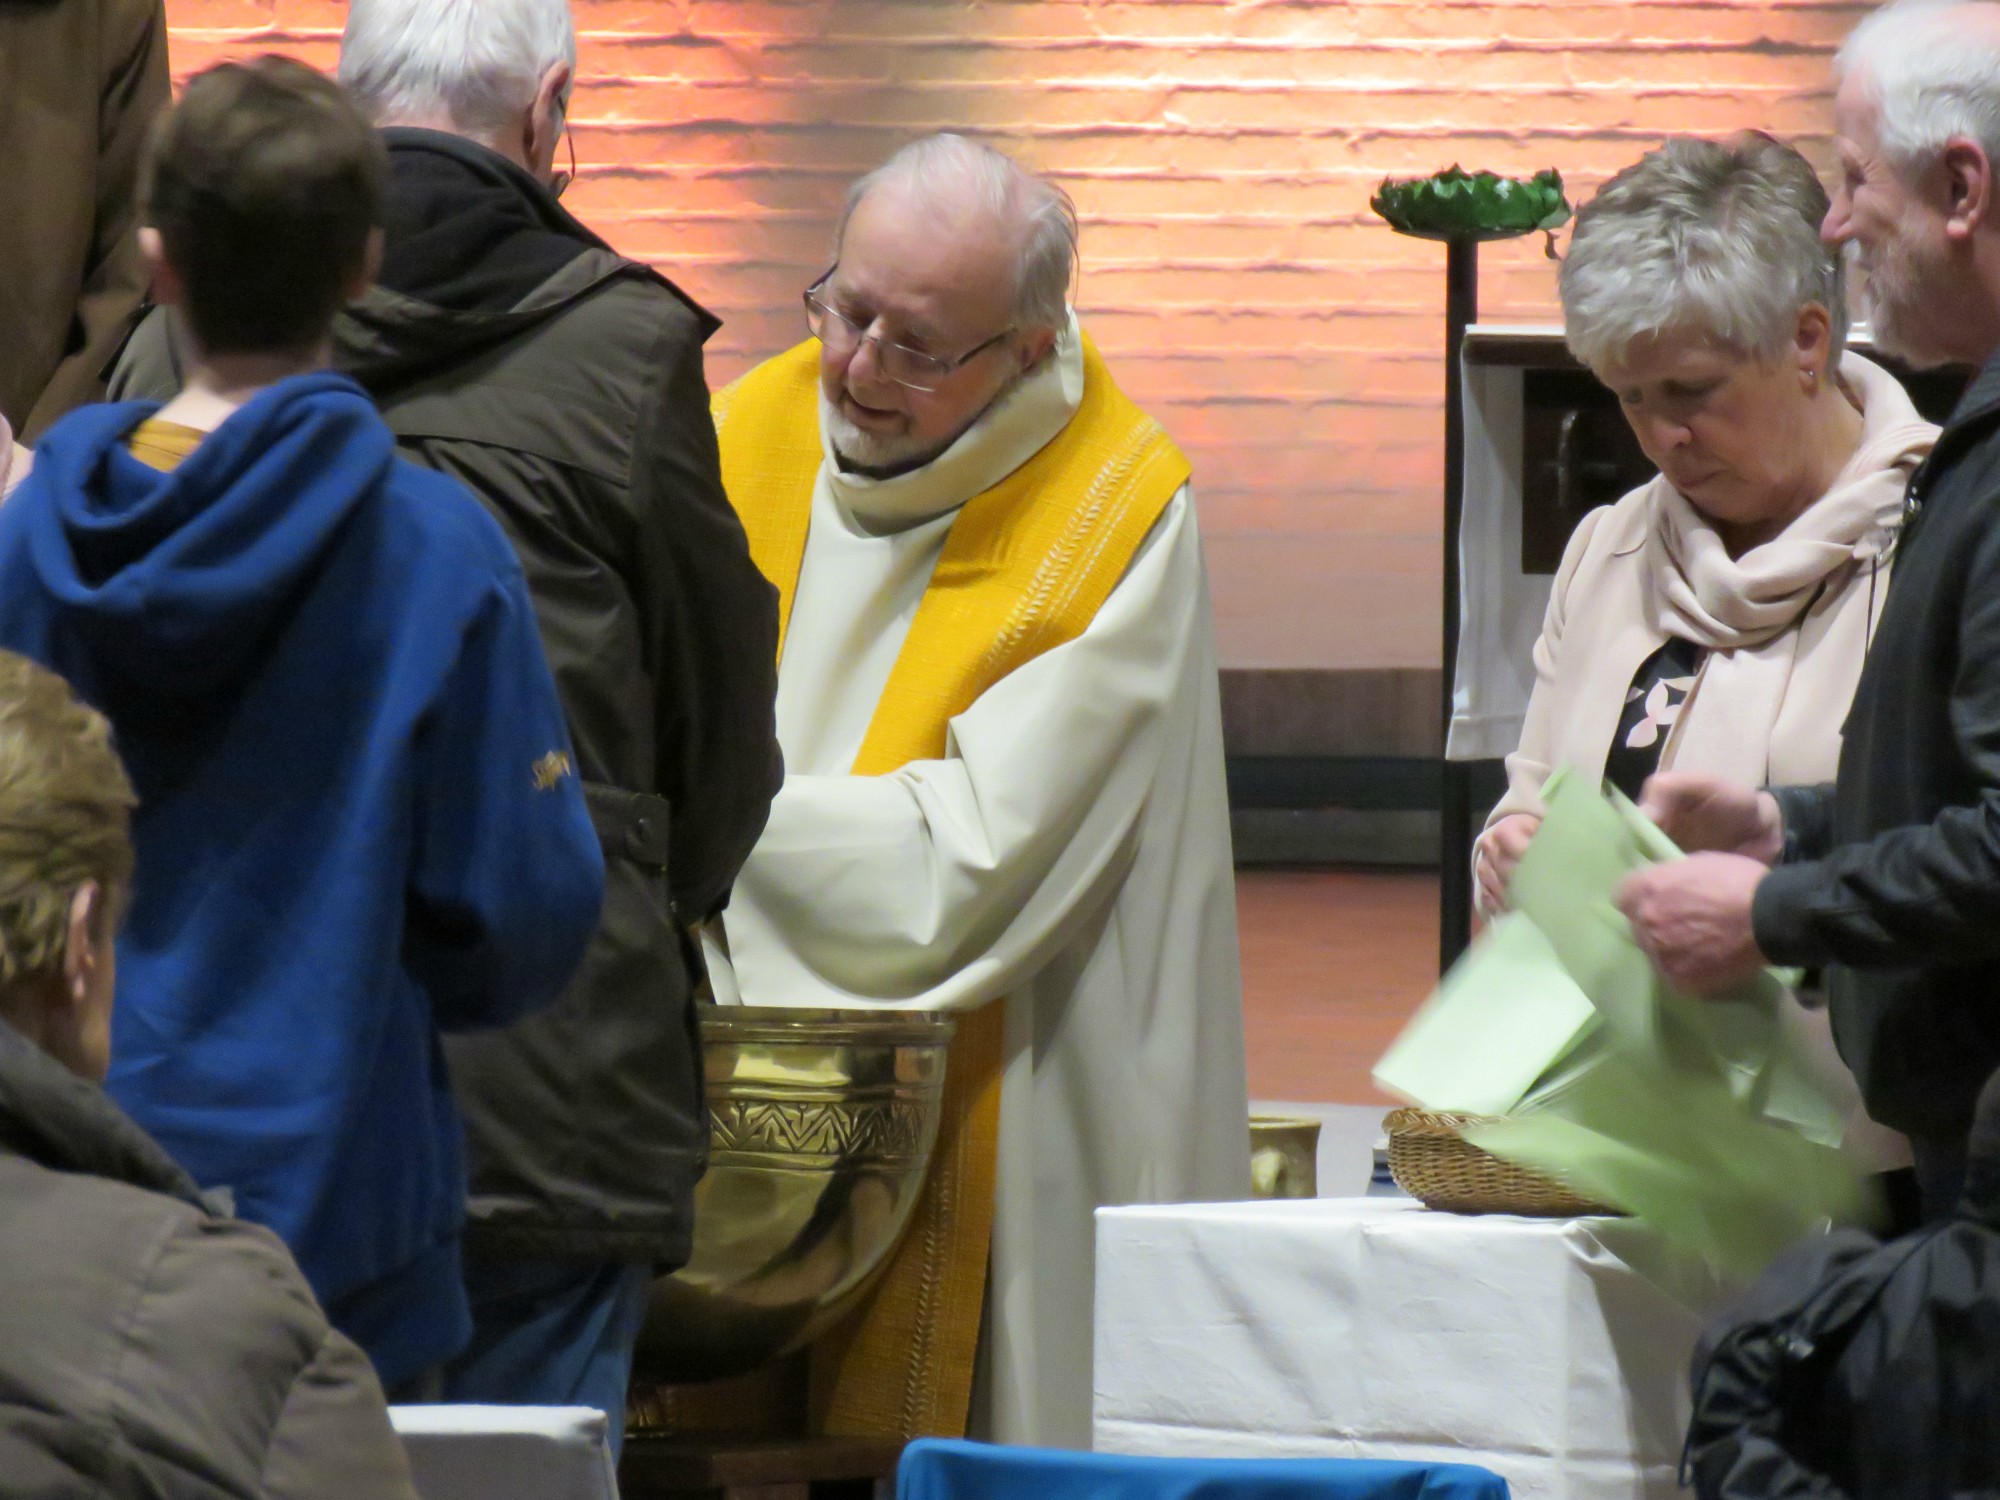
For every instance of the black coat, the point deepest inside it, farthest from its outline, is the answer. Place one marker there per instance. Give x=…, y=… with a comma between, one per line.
x=562, y=384
x=1893, y=873
x=1863, y=1370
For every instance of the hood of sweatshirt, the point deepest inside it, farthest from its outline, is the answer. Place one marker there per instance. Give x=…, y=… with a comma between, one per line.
x=176, y=580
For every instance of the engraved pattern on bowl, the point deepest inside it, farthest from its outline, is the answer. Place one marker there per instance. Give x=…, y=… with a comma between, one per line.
x=821, y=1124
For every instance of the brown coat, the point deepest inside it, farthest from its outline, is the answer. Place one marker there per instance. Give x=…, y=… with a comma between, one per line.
x=150, y=1347
x=80, y=83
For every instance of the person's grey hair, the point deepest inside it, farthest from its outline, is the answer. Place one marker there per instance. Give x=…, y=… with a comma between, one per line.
x=1932, y=76
x=1715, y=239
x=950, y=173
x=476, y=63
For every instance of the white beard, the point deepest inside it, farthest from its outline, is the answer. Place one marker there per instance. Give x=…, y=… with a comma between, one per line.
x=858, y=448
x=870, y=453
x=1892, y=296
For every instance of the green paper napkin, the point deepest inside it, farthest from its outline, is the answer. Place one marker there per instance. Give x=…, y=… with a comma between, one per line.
x=1501, y=1018
x=1696, y=1115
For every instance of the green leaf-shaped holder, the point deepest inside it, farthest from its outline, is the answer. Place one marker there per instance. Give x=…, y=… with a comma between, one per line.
x=1456, y=204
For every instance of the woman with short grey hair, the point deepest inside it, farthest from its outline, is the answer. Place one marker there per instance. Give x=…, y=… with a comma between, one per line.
x=1715, y=619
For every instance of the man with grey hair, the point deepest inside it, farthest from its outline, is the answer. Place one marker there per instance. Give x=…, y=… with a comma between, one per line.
x=1890, y=876
x=1004, y=794
x=510, y=347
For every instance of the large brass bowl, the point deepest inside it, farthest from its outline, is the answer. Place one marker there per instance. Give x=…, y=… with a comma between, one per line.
x=821, y=1124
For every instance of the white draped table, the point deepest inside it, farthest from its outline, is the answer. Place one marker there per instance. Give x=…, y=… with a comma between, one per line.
x=1554, y=1352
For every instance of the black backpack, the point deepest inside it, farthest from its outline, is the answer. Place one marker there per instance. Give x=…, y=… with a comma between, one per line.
x=1859, y=1369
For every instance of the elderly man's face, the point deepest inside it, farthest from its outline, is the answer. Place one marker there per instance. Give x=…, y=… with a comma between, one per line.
x=1891, y=233
x=939, y=286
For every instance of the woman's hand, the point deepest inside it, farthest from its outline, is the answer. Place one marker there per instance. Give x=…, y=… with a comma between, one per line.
x=1500, y=850
x=1707, y=813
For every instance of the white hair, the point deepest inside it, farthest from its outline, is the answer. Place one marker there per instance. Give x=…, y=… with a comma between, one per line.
x=949, y=171
x=476, y=63
x=1718, y=240
x=1932, y=76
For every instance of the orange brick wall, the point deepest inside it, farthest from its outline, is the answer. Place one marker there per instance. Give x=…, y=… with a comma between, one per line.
x=1221, y=153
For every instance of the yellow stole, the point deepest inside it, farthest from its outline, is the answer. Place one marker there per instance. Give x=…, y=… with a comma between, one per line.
x=1025, y=567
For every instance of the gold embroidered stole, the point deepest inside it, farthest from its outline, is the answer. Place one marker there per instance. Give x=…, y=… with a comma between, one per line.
x=1025, y=567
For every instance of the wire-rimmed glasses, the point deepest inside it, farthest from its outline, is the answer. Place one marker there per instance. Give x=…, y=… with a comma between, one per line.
x=908, y=367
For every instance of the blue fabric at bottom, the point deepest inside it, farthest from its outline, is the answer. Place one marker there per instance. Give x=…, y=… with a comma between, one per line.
x=937, y=1470
x=552, y=1333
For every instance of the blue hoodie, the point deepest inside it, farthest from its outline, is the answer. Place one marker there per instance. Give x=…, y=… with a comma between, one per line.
x=357, y=819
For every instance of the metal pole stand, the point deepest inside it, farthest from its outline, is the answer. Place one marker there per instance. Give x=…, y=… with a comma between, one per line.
x=1461, y=310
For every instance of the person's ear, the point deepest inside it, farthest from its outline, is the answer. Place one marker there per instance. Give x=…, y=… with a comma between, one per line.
x=547, y=119
x=168, y=288
x=1812, y=345
x=83, y=948
x=1033, y=349
x=1968, y=181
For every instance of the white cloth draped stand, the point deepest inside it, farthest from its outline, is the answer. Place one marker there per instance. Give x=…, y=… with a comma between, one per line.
x=1375, y=1328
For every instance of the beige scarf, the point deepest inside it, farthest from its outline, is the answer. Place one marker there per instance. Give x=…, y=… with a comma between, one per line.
x=1753, y=615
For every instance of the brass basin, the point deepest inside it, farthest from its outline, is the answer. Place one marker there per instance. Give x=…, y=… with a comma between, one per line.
x=821, y=1124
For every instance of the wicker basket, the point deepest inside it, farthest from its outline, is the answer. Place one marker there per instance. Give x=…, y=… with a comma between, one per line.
x=1431, y=1161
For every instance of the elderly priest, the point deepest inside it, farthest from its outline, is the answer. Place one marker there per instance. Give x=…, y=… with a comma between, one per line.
x=1004, y=793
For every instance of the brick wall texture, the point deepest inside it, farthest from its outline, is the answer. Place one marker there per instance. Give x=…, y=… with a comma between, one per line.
x=1221, y=153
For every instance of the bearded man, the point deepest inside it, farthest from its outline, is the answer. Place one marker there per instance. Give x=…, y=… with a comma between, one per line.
x=1891, y=876
x=1004, y=792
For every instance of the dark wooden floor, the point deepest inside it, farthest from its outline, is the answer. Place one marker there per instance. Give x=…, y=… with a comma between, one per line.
x=1333, y=964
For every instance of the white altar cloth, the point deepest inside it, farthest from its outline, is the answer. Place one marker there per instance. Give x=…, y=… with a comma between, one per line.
x=1374, y=1328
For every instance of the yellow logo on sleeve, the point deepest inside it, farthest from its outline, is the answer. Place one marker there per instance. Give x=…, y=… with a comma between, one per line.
x=550, y=769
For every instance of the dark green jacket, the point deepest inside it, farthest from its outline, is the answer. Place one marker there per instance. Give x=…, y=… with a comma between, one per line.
x=579, y=415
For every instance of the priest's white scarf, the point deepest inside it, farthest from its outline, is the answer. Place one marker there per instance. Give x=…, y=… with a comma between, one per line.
x=1070, y=853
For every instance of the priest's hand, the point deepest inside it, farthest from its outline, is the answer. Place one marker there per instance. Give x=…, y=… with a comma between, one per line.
x=1691, y=917
x=1709, y=813
x=1500, y=850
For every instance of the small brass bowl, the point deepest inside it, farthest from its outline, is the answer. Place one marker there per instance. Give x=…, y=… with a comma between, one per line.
x=1284, y=1157
x=821, y=1124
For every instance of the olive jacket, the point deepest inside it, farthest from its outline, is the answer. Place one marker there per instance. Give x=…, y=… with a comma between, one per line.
x=82, y=80
x=149, y=1346
x=562, y=384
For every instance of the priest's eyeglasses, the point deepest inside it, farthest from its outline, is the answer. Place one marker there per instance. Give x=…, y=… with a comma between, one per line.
x=908, y=367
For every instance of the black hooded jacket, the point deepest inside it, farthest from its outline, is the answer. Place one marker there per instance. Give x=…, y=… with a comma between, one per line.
x=1857, y=1369
x=509, y=347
